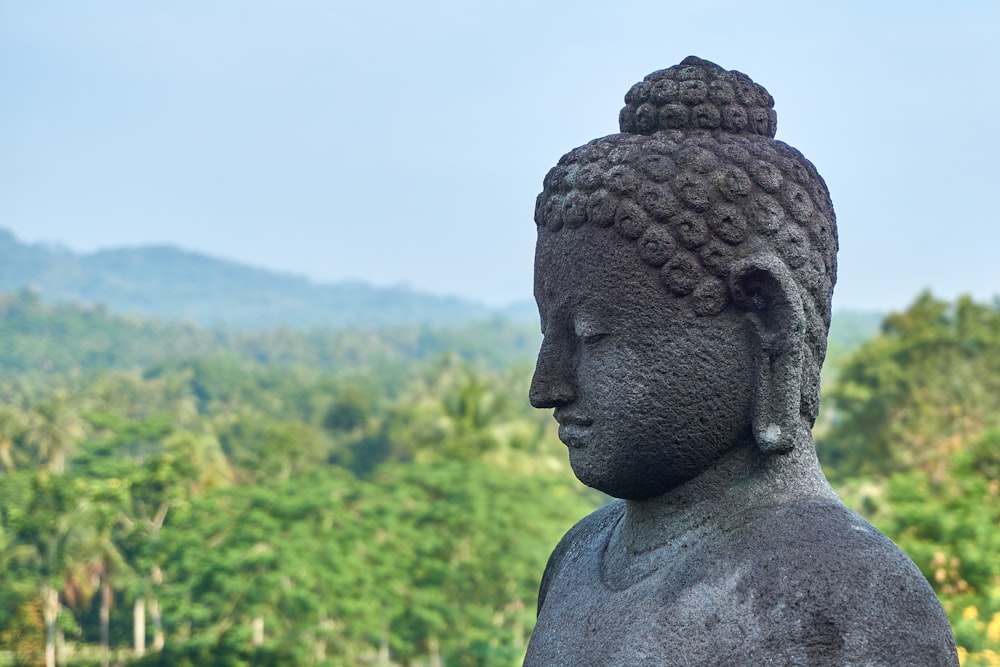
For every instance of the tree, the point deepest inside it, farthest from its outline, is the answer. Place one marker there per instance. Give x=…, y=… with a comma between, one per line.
x=909, y=397
x=22, y=616
x=44, y=548
x=462, y=544
x=349, y=410
x=12, y=428
x=54, y=430
x=261, y=448
x=100, y=514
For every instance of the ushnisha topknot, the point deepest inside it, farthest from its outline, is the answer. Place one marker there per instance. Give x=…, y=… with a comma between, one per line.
x=698, y=94
x=696, y=182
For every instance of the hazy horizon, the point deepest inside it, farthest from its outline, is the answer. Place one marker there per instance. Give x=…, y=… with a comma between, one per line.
x=397, y=144
x=516, y=304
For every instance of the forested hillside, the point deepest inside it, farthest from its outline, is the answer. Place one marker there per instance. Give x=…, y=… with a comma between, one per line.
x=170, y=283
x=70, y=340
x=173, y=495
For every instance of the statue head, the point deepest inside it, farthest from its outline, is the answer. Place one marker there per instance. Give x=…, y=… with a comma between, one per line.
x=684, y=270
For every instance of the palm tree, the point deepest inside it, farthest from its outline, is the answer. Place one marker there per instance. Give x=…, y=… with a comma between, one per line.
x=95, y=543
x=12, y=426
x=42, y=544
x=54, y=429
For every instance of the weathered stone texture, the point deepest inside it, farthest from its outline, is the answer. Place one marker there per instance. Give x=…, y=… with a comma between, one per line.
x=683, y=272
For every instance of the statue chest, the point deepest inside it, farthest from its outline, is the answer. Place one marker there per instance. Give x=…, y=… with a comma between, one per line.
x=676, y=607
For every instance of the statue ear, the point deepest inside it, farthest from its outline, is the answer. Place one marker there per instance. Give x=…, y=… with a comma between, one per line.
x=764, y=287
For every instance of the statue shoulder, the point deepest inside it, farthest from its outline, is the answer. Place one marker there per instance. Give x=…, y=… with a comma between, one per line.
x=834, y=575
x=586, y=534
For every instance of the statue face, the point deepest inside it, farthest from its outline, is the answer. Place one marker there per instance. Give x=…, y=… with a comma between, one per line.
x=647, y=394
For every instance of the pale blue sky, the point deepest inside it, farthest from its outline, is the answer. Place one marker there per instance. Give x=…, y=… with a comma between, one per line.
x=404, y=142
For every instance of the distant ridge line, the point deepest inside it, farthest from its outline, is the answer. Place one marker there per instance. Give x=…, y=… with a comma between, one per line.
x=171, y=283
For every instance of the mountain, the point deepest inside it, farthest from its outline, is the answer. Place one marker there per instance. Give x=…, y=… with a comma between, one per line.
x=169, y=283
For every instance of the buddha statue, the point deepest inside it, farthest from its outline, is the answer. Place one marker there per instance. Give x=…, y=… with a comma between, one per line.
x=683, y=272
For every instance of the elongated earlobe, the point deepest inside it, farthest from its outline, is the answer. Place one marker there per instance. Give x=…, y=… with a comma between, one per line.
x=763, y=285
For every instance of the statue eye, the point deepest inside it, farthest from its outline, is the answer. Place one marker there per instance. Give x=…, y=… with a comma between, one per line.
x=593, y=339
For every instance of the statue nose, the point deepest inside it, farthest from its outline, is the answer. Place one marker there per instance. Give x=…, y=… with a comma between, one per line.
x=552, y=385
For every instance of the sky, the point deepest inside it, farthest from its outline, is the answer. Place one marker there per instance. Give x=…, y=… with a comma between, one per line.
x=403, y=143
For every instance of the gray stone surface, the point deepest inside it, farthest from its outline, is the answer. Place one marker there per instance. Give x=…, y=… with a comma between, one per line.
x=683, y=273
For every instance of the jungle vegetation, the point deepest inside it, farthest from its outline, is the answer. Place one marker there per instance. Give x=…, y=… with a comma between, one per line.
x=174, y=495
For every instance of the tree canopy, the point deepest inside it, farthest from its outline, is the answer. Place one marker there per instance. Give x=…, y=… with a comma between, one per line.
x=177, y=496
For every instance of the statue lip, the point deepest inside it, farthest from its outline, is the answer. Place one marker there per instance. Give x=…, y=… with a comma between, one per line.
x=574, y=436
x=571, y=419
x=573, y=428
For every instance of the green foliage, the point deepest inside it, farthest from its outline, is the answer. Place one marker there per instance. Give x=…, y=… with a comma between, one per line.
x=23, y=628
x=40, y=340
x=907, y=398
x=349, y=411
x=269, y=503
x=330, y=560
x=341, y=498
x=849, y=330
x=43, y=346
x=226, y=651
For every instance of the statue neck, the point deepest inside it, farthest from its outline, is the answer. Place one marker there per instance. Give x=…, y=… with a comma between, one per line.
x=743, y=480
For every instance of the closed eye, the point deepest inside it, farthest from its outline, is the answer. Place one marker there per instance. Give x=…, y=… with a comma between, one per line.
x=592, y=339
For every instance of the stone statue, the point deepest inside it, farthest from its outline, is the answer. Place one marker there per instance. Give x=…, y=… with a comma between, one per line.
x=683, y=273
